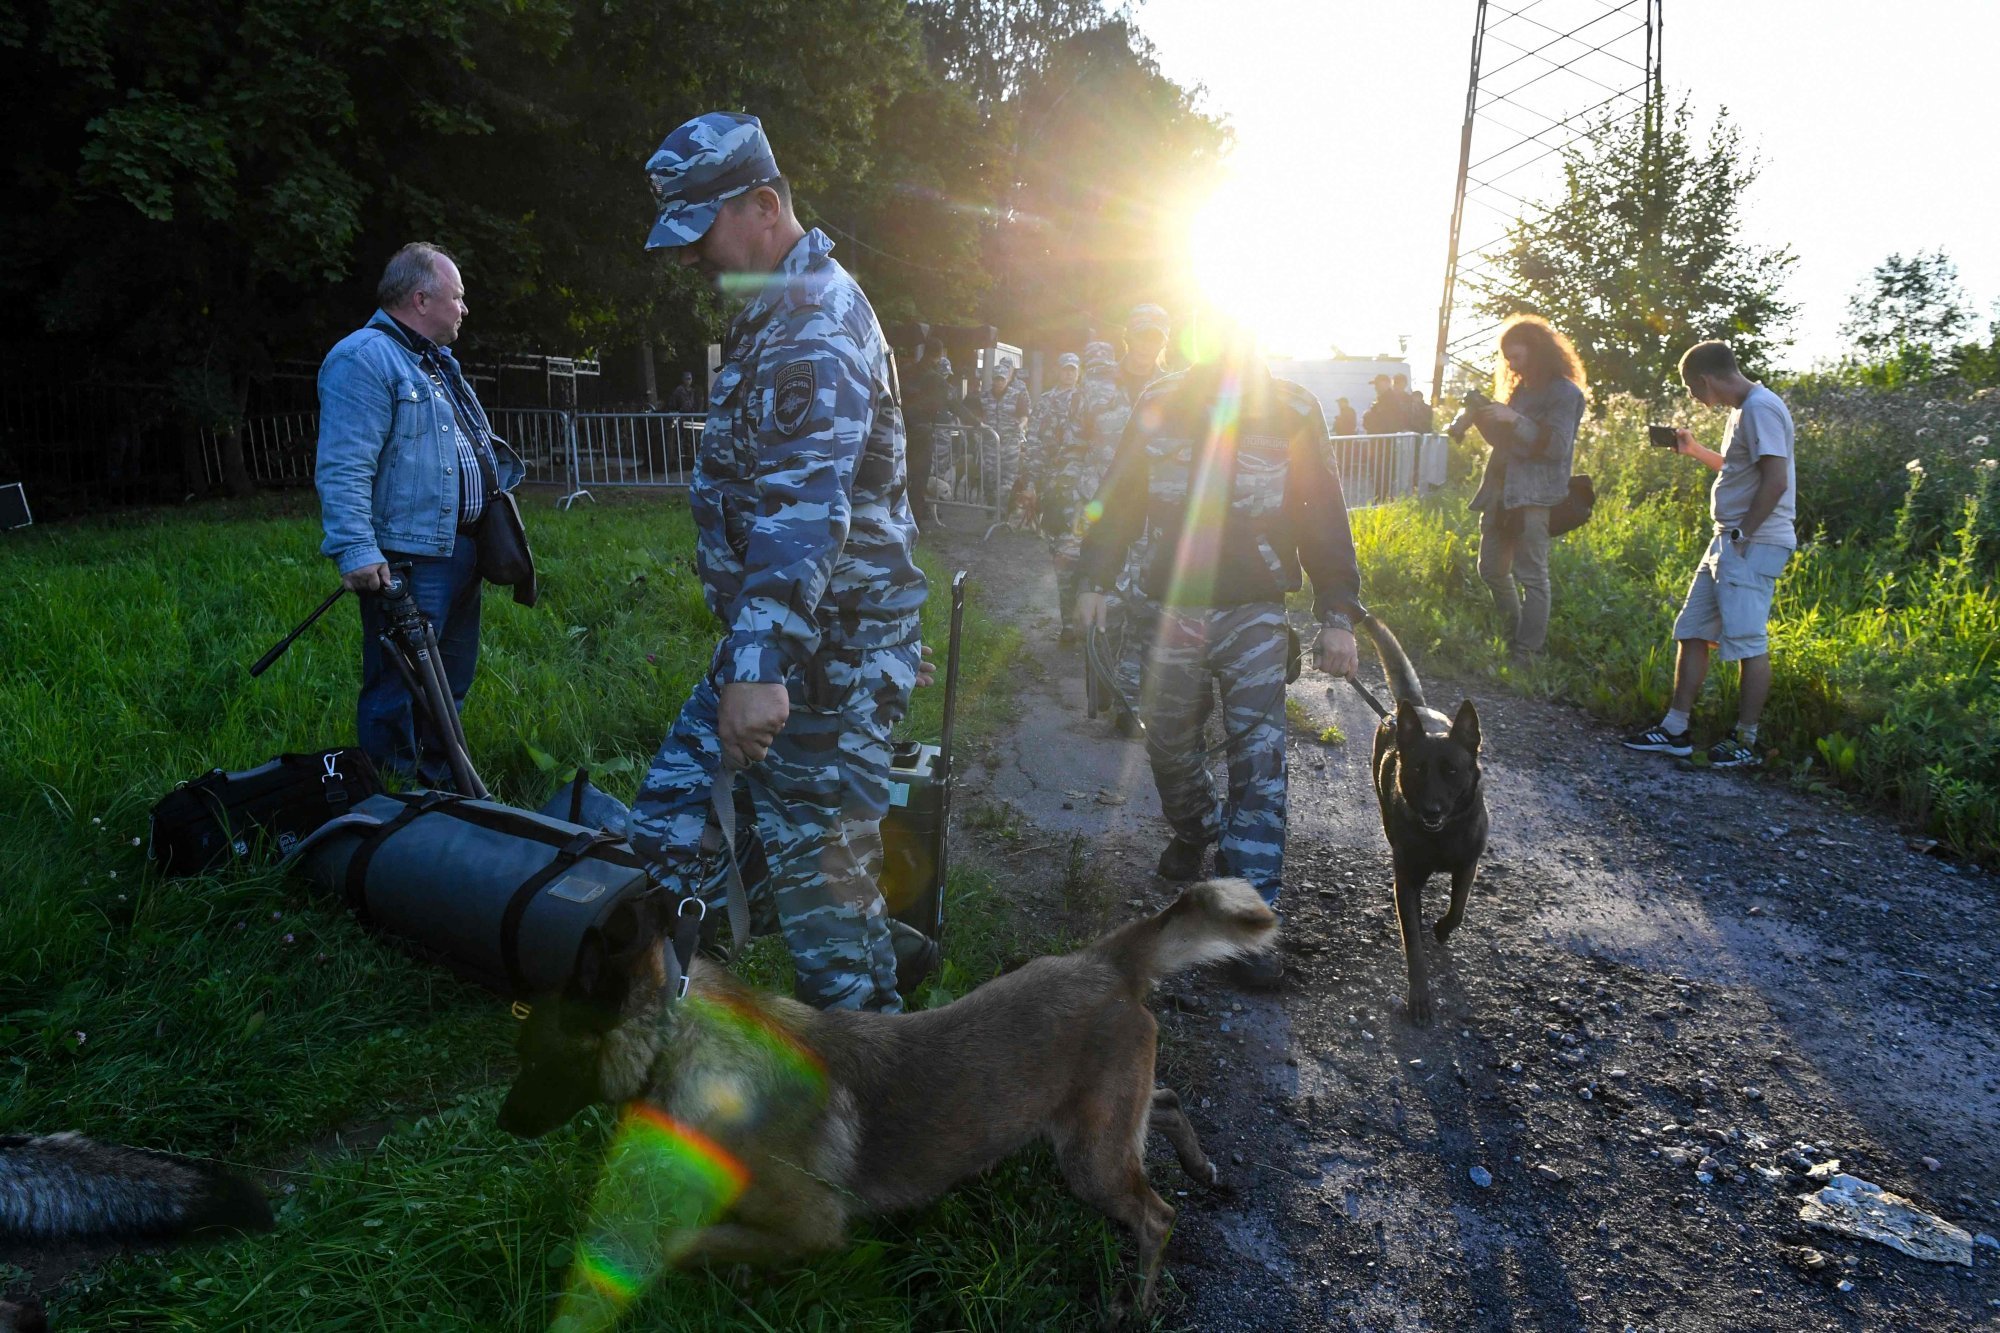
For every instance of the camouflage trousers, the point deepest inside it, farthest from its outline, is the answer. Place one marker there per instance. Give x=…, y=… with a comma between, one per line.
x=1000, y=459
x=1243, y=648
x=819, y=797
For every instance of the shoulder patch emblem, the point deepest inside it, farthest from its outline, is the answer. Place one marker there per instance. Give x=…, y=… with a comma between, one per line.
x=792, y=396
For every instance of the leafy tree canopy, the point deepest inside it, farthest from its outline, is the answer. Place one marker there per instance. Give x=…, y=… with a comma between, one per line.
x=1642, y=255
x=1908, y=302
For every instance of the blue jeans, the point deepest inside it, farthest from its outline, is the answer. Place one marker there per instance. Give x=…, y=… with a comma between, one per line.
x=387, y=722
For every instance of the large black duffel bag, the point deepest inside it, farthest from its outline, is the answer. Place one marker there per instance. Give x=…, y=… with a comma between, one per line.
x=221, y=817
x=499, y=895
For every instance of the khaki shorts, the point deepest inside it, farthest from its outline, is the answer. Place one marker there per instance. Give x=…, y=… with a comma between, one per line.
x=1729, y=602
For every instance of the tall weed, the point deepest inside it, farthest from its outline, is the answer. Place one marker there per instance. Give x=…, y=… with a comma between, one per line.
x=1884, y=629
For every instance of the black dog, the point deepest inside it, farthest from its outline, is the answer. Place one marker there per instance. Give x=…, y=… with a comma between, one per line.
x=1427, y=782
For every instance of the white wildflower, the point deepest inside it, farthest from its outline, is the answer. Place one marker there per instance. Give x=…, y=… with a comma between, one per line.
x=1987, y=464
x=1915, y=467
x=135, y=842
x=1978, y=442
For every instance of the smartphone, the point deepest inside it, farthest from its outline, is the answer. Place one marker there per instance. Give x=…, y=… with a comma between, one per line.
x=1662, y=436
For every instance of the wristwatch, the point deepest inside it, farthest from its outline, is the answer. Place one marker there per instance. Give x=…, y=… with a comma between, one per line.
x=1337, y=621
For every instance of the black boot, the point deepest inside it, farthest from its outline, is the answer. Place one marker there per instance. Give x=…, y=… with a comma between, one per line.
x=1181, y=862
x=916, y=957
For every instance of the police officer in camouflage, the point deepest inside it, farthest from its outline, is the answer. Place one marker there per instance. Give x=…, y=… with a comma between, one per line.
x=1005, y=406
x=1042, y=449
x=804, y=551
x=1230, y=467
x=1146, y=331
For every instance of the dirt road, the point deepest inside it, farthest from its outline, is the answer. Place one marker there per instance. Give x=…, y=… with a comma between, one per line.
x=1674, y=992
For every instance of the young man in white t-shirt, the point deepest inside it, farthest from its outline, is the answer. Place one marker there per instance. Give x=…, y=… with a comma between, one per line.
x=1753, y=503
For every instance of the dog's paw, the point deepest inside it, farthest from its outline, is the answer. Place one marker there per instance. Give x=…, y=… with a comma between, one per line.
x=1441, y=932
x=1420, y=1009
x=1214, y=1176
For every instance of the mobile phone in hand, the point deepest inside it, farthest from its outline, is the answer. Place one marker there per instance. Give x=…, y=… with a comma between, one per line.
x=1665, y=437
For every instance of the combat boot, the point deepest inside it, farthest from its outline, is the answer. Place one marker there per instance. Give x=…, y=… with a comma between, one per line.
x=1181, y=862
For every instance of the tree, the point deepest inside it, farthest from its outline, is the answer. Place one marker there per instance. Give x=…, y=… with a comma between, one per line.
x=1642, y=256
x=1913, y=302
x=1108, y=149
x=993, y=49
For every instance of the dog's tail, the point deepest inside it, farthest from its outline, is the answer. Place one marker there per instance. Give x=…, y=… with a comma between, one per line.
x=1219, y=919
x=1395, y=662
x=64, y=1185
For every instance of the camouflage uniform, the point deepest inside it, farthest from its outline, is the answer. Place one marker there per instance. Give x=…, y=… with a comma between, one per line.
x=1139, y=610
x=804, y=539
x=1005, y=409
x=1042, y=447
x=1097, y=413
x=1234, y=514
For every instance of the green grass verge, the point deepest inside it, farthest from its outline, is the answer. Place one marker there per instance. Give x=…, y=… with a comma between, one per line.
x=237, y=1017
x=1886, y=654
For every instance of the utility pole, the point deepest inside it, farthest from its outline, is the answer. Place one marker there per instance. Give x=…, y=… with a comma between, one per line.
x=1557, y=72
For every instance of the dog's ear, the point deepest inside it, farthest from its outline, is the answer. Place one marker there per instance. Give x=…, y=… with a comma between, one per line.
x=1409, y=725
x=1465, y=727
x=602, y=978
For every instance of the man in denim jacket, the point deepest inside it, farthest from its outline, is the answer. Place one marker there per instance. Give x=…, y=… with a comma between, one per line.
x=407, y=464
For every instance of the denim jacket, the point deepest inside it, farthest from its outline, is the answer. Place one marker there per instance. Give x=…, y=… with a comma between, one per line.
x=1530, y=463
x=388, y=459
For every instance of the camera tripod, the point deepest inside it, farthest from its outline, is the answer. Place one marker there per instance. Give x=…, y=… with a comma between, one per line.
x=410, y=645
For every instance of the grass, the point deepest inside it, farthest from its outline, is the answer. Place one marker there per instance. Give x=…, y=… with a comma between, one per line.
x=235, y=1016
x=1886, y=651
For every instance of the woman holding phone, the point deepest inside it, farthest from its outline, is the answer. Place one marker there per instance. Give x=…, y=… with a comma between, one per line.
x=1539, y=395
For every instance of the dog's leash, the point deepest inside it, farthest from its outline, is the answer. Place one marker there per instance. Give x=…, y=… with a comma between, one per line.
x=677, y=952
x=1368, y=697
x=722, y=796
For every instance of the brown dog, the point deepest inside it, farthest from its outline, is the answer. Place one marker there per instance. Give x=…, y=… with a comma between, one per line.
x=825, y=1115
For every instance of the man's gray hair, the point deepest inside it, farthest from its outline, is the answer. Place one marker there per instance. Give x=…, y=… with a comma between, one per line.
x=409, y=271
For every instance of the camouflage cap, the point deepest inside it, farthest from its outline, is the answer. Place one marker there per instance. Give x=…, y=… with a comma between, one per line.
x=1068, y=361
x=1006, y=364
x=713, y=157
x=1147, y=317
x=1099, y=355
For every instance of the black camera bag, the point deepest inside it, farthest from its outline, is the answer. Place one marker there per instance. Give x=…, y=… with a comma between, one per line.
x=1574, y=509
x=221, y=817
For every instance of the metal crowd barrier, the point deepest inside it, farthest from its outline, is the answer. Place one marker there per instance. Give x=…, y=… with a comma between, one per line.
x=959, y=457
x=587, y=450
x=278, y=450
x=1376, y=469
x=577, y=450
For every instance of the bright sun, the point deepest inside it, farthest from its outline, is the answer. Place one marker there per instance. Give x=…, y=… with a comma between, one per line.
x=1250, y=261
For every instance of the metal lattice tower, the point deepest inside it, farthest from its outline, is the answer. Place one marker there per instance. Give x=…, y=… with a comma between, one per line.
x=1546, y=74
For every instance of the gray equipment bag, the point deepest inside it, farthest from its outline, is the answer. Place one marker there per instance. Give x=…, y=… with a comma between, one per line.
x=499, y=895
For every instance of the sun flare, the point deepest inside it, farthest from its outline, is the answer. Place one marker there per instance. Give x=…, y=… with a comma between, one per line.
x=1250, y=260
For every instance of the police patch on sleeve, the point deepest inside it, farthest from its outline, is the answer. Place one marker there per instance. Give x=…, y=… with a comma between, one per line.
x=792, y=396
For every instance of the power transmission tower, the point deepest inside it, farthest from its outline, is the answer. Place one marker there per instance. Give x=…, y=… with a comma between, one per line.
x=1546, y=75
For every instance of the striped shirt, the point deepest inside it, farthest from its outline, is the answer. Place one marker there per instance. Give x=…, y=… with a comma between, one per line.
x=477, y=478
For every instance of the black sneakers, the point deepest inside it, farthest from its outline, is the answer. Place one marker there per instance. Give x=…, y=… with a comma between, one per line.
x=1729, y=752
x=1657, y=741
x=1181, y=862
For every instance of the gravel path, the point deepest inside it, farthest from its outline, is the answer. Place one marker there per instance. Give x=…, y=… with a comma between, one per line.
x=1674, y=992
